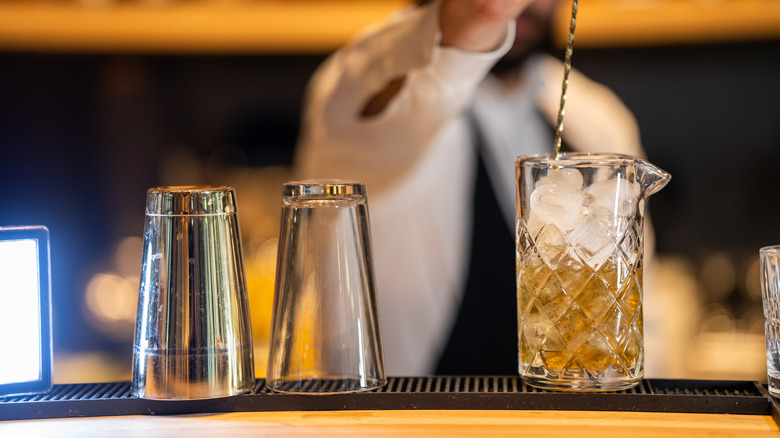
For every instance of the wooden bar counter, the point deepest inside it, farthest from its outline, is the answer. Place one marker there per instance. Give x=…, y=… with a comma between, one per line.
x=405, y=407
x=406, y=423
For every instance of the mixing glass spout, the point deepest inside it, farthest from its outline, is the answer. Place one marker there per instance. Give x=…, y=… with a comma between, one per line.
x=650, y=177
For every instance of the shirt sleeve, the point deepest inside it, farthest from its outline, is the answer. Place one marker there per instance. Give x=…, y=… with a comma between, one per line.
x=595, y=120
x=336, y=142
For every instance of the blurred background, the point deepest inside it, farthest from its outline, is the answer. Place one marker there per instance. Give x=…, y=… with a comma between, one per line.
x=102, y=99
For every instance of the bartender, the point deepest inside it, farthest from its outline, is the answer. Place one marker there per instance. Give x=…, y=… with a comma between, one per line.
x=430, y=109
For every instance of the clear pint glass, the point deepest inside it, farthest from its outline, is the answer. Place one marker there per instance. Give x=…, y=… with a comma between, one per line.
x=770, y=292
x=325, y=335
x=579, y=269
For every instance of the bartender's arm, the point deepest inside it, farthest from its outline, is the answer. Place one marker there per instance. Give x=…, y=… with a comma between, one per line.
x=374, y=107
x=470, y=25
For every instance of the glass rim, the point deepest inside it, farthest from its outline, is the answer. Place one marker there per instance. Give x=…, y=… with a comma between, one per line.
x=324, y=188
x=571, y=159
x=770, y=250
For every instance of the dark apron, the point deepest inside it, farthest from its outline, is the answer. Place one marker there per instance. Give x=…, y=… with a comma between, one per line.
x=483, y=340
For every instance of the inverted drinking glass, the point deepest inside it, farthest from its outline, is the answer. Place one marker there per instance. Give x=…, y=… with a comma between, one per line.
x=770, y=290
x=325, y=335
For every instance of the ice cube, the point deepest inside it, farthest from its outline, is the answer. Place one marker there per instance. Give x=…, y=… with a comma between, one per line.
x=551, y=246
x=534, y=224
x=618, y=195
x=563, y=177
x=595, y=237
x=562, y=206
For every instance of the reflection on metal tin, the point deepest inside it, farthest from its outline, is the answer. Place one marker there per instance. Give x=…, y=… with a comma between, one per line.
x=193, y=335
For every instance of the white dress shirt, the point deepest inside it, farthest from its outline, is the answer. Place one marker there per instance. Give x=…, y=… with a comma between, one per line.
x=417, y=159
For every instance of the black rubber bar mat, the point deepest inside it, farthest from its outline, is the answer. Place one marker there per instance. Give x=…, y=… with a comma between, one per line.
x=409, y=393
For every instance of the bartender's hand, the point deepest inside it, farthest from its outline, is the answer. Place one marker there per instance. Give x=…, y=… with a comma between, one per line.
x=477, y=25
x=473, y=25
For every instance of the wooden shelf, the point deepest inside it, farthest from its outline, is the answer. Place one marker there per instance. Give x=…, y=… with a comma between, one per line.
x=320, y=26
x=628, y=23
x=201, y=26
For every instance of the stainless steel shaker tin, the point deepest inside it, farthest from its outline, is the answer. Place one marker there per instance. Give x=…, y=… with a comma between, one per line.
x=193, y=335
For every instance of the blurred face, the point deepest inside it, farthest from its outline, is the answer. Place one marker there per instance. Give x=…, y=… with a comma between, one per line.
x=532, y=31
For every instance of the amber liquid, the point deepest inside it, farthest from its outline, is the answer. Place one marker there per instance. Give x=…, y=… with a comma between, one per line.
x=580, y=328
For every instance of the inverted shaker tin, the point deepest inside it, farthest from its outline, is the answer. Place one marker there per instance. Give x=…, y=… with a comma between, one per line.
x=193, y=336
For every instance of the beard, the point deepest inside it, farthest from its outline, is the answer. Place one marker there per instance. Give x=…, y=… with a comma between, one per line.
x=533, y=36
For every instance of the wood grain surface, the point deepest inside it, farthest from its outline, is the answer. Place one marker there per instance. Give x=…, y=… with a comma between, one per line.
x=404, y=424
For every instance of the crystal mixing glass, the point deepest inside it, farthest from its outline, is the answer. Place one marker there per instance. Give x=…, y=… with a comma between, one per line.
x=580, y=222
